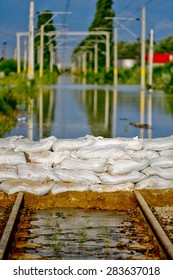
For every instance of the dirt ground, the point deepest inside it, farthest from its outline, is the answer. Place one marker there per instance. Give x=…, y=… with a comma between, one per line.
x=120, y=200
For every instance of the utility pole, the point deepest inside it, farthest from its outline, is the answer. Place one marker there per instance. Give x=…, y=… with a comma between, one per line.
x=41, y=51
x=18, y=35
x=115, y=57
x=150, y=65
x=84, y=67
x=51, y=58
x=96, y=58
x=42, y=38
x=107, y=52
x=25, y=56
x=143, y=46
x=31, y=42
x=142, y=93
x=18, y=53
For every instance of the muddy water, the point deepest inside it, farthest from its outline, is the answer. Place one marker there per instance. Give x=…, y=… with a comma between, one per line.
x=68, y=233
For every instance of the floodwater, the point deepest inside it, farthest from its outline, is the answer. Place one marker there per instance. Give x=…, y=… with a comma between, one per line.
x=70, y=110
x=68, y=233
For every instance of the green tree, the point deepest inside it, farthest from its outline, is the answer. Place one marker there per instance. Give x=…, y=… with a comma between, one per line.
x=100, y=23
x=45, y=19
x=164, y=45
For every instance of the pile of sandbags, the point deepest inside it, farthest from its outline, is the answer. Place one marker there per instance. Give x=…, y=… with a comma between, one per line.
x=86, y=163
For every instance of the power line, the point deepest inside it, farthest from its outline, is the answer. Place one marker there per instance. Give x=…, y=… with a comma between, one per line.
x=64, y=24
x=145, y=4
x=126, y=7
x=6, y=34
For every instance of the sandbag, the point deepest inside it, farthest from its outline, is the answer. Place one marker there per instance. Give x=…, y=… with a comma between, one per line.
x=67, y=187
x=128, y=143
x=154, y=182
x=134, y=177
x=20, y=185
x=10, y=157
x=36, y=172
x=104, y=152
x=162, y=162
x=8, y=172
x=28, y=145
x=73, y=144
x=166, y=153
x=135, y=144
x=96, y=165
x=158, y=144
x=166, y=173
x=48, y=158
x=143, y=154
x=77, y=176
x=128, y=186
x=123, y=166
x=118, y=141
x=9, y=142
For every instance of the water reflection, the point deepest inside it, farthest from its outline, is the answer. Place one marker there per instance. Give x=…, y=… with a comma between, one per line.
x=30, y=118
x=149, y=100
x=69, y=110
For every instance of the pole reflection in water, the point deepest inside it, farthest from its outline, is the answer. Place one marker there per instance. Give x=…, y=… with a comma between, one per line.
x=106, y=108
x=95, y=102
x=50, y=108
x=149, y=114
x=30, y=118
x=142, y=111
x=114, y=115
x=40, y=113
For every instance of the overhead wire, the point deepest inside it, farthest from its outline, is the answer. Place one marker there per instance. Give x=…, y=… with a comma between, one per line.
x=64, y=24
x=131, y=2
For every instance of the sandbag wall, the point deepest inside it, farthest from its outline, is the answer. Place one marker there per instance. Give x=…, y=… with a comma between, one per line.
x=87, y=163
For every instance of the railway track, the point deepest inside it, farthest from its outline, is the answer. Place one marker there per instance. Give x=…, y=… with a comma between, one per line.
x=141, y=233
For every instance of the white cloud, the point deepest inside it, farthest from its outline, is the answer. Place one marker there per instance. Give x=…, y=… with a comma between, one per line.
x=164, y=24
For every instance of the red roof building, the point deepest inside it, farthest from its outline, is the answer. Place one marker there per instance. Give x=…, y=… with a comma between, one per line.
x=160, y=58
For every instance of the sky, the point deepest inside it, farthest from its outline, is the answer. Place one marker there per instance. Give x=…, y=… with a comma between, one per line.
x=14, y=17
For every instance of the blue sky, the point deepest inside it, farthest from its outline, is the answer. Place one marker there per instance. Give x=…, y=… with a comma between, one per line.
x=14, y=17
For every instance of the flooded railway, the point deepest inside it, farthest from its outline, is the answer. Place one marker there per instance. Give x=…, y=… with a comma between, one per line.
x=51, y=233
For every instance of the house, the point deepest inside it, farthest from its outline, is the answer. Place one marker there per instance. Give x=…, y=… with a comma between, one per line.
x=160, y=58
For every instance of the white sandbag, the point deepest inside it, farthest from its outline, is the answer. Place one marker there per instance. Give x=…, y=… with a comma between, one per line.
x=96, y=165
x=134, y=177
x=129, y=143
x=9, y=142
x=49, y=158
x=154, y=182
x=78, y=176
x=158, y=144
x=135, y=144
x=128, y=186
x=8, y=156
x=166, y=173
x=35, y=172
x=73, y=144
x=28, y=145
x=20, y=185
x=143, y=154
x=104, y=152
x=8, y=172
x=123, y=166
x=166, y=153
x=67, y=187
x=118, y=141
x=162, y=162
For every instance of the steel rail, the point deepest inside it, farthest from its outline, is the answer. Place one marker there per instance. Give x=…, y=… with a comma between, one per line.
x=160, y=233
x=10, y=224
